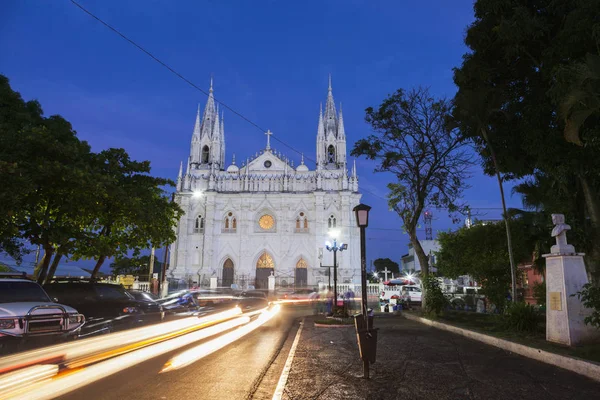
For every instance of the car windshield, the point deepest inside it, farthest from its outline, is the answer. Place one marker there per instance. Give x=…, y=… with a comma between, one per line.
x=112, y=292
x=18, y=292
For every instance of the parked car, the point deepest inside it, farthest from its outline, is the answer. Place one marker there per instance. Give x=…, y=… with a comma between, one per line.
x=27, y=312
x=107, y=307
x=410, y=293
x=185, y=303
x=143, y=296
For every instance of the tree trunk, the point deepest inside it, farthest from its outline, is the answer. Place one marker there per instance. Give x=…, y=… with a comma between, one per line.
x=511, y=258
x=98, y=265
x=48, y=252
x=593, y=211
x=53, y=267
x=424, y=262
x=38, y=267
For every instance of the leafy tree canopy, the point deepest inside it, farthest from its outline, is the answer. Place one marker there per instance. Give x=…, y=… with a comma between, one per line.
x=383, y=263
x=412, y=141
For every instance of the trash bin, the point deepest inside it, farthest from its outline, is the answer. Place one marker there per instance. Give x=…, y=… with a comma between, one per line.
x=367, y=339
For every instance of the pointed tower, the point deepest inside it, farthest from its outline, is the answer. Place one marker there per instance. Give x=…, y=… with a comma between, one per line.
x=208, y=144
x=321, y=140
x=330, y=117
x=195, y=146
x=222, y=130
x=341, y=141
x=331, y=136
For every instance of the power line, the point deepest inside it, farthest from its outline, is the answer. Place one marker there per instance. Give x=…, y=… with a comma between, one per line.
x=192, y=84
x=183, y=78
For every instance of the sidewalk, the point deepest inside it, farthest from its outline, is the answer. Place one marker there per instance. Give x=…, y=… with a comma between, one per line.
x=416, y=361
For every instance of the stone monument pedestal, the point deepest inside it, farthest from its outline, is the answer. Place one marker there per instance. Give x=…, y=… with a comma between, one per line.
x=213, y=283
x=565, y=276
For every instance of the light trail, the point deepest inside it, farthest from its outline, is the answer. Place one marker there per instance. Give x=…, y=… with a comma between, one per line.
x=196, y=353
x=72, y=380
x=96, y=349
x=17, y=379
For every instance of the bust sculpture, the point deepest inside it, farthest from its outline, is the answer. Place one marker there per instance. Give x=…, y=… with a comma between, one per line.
x=560, y=233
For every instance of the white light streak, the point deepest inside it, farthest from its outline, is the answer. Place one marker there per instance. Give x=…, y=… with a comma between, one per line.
x=77, y=379
x=196, y=353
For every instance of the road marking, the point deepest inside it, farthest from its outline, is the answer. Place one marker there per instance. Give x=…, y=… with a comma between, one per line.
x=288, y=366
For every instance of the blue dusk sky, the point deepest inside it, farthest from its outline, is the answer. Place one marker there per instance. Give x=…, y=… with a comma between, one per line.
x=270, y=61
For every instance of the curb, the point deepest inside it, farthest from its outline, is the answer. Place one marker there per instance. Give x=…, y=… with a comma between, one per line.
x=579, y=366
x=332, y=326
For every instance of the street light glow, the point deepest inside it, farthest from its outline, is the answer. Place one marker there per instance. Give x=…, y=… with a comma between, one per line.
x=197, y=194
x=334, y=233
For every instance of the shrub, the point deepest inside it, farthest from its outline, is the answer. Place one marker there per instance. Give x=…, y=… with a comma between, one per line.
x=521, y=317
x=435, y=301
x=590, y=298
x=539, y=293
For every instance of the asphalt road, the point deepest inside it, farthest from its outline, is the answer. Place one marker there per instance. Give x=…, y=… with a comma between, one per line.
x=246, y=369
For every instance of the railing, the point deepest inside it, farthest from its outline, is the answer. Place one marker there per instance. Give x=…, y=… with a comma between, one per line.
x=301, y=230
x=141, y=286
x=373, y=289
x=228, y=230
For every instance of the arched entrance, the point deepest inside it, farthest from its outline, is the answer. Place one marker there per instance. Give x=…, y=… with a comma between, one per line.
x=301, y=273
x=264, y=267
x=227, y=277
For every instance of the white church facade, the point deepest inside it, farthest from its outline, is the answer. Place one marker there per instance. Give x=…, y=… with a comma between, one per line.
x=244, y=222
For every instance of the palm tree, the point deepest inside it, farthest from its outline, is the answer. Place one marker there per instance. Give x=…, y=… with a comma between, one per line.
x=582, y=99
x=477, y=107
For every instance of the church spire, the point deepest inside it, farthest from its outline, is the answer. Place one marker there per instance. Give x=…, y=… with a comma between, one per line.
x=330, y=117
x=210, y=113
x=197, y=124
x=341, y=133
x=180, y=174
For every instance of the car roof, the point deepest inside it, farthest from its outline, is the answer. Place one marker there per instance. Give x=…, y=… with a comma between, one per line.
x=16, y=280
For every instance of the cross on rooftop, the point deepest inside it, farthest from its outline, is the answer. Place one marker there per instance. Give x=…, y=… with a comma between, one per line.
x=268, y=133
x=386, y=272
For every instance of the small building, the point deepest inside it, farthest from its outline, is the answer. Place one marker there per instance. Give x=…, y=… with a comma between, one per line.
x=527, y=278
x=410, y=262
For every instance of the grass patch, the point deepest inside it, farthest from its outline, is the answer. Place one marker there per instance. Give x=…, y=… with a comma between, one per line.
x=335, y=321
x=494, y=325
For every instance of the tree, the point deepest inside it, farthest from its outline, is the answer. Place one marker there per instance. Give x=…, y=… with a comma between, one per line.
x=578, y=93
x=413, y=142
x=477, y=108
x=136, y=266
x=134, y=212
x=481, y=252
x=517, y=52
x=17, y=118
x=383, y=263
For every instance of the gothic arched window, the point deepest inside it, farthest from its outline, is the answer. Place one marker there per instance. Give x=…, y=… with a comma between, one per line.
x=331, y=154
x=229, y=223
x=205, y=154
x=199, y=224
x=301, y=222
x=332, y=221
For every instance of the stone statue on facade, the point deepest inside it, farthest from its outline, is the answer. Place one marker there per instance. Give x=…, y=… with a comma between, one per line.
x=560, y=233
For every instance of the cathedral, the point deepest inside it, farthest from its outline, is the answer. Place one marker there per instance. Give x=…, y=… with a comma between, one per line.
x=265, y=216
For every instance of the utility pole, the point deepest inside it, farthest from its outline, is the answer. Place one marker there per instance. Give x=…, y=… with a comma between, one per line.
x=151, y=268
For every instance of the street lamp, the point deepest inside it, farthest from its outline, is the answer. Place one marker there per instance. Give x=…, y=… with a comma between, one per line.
x=335, y=247
x=366, y=337
x=328, y=269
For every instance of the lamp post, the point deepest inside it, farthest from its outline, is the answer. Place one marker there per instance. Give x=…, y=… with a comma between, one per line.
x=367, y=351
x=325, y=266
x=335, y=247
